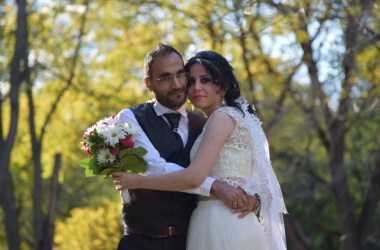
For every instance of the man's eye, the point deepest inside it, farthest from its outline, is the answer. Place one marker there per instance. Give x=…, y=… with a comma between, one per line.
x=181, y=75
x=166, y=78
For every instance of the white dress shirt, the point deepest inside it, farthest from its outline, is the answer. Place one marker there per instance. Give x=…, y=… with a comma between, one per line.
x=155, y=163
x=183, y=127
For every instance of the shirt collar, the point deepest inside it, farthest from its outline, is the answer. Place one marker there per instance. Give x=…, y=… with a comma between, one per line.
x=161, y=109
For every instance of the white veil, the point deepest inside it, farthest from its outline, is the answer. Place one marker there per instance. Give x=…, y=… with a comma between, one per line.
x=263, y=181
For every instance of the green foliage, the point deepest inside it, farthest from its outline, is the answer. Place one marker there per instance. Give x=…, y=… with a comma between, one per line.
x=130, y=161
x=90, y=228
x=264, y=43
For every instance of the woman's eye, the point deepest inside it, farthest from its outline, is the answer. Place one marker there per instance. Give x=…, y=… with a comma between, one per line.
x=190, y=81
x=206, y=79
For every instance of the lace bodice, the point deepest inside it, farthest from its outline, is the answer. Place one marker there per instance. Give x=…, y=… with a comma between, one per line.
x=233, y=164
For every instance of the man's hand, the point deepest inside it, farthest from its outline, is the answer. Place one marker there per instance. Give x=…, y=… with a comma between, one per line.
x=233, y=197
x=248, y=207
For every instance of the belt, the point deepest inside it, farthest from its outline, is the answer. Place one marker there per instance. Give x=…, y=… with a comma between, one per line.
x=167, y=232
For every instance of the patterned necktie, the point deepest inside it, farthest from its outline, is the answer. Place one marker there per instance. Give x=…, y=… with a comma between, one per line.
x=173, y=119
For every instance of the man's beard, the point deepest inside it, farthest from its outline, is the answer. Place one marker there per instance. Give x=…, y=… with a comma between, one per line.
x=173, y=100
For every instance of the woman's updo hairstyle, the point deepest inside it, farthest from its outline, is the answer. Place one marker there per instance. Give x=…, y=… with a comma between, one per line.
x=221, y=72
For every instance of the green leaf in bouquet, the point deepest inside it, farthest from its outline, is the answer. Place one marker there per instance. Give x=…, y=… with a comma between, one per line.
x=108, y=171
x=94, y=167
x=131, y=160
x=133, y=163
x=139, y=152
x=84, y=163
x=89, y=172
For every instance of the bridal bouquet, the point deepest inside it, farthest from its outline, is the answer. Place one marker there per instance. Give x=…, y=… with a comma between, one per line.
x=110, y=147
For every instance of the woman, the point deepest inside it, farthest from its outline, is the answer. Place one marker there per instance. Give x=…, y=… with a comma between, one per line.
x=231, y=148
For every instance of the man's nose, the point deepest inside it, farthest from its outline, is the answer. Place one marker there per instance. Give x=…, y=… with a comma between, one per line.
x=176, y=83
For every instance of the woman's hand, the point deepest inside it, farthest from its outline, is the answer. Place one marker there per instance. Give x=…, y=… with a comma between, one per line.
x=125, y=180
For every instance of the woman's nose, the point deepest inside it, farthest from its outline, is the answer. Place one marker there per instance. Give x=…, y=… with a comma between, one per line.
x=197, y=85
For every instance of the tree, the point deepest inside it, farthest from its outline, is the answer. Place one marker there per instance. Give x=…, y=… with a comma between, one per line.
x=19, y=74
x=332, y=123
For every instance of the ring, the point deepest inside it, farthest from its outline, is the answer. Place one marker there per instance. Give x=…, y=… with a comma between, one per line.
x=235, y=203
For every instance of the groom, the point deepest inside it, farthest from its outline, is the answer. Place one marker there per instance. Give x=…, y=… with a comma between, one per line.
x=160, y=219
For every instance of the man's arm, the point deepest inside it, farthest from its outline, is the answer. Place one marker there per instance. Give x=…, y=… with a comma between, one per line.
x=155, y=163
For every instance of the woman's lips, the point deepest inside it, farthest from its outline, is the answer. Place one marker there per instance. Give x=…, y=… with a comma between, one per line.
x=197, y=97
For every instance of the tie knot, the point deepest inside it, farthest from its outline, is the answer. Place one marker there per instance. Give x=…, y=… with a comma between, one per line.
x=173, y=119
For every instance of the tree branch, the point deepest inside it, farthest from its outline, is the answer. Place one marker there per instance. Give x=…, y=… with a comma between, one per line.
x=72, y=72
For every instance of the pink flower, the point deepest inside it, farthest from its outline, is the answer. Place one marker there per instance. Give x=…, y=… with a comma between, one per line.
x=88, y=151
x=115, y=151
x=127, y=142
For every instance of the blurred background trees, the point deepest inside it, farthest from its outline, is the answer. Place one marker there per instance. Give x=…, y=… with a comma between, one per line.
x=311, y=68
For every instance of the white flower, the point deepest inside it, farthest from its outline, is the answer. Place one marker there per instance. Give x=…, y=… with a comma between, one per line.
x=110, y=121
x=90, y=130
x=105, y=156
x=112, y=134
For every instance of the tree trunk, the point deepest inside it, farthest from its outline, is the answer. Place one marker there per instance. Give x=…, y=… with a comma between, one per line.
x=48, y=227
x=295, y=234
x=37, y=179
x=8, y=204
x=349, y=238
x=350, y=233
x=19, y=67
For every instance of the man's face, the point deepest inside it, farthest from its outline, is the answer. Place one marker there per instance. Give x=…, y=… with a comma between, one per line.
x=168, y=81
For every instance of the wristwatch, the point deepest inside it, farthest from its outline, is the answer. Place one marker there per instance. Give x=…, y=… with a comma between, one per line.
x=257, y=207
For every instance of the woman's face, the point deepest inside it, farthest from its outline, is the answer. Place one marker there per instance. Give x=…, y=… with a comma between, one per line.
x=202, y=91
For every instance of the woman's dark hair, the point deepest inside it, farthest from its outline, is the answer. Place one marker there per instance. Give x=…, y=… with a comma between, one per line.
x=221, y=72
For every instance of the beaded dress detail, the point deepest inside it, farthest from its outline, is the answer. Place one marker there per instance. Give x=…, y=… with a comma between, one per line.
x=233, y=164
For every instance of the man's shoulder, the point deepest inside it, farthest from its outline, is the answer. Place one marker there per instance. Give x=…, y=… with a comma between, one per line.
x=196, y=116
x=141, y=106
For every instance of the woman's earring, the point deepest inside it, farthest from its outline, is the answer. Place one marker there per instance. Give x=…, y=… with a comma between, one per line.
x=222, y=102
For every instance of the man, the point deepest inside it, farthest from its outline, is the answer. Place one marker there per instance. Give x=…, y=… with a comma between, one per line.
x=160, y=219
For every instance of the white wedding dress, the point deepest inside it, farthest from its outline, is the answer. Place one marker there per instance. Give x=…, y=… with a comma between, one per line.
x=212, y=225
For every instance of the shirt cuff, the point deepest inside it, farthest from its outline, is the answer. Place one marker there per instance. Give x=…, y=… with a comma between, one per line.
x=204, y=189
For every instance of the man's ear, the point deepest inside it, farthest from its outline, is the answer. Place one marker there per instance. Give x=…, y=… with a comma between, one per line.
x=148, y=83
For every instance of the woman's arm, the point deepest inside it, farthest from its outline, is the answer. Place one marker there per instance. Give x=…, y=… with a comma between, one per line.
x=219, y=128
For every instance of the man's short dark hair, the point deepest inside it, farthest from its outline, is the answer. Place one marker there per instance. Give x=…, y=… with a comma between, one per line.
x=159, y=50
